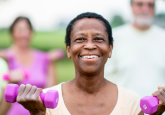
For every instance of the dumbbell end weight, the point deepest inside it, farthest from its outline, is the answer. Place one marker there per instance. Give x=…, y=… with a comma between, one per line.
x=6, y=77
x=50, y=98
x=149, y=104
x=11, y=92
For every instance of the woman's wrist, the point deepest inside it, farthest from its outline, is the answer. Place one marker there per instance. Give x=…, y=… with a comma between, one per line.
x=159, y=111
x=39, y=113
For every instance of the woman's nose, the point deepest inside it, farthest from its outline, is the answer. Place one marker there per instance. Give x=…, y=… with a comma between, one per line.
x=90, y=45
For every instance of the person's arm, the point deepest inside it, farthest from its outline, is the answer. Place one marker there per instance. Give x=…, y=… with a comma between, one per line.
x=4, y=106
x=141, y=113
x=55, y=55
x=51, y=75
x=28, y=97
x=160, y=94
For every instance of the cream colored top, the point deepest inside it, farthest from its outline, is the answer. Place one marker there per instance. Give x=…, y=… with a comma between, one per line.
x=128, y=103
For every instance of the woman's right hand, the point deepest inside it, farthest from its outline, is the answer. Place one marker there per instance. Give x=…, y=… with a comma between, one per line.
x=29, y=98
x=16, y=76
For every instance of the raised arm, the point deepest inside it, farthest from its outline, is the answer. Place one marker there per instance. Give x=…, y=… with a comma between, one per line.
x=160, y=94
x=4, y=106
x=141, y=113
x=51, y=75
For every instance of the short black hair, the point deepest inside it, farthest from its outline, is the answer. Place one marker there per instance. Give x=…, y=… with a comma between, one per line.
x=17, y=20
x=88, y=15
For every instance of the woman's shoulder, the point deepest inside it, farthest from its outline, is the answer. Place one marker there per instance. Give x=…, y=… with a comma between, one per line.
x=130, y=100
x=56, y=87
x=130, y=93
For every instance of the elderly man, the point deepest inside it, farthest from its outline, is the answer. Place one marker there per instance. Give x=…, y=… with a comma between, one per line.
x=138, y=59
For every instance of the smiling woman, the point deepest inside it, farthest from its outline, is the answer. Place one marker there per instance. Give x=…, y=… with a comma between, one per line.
x=89, y=44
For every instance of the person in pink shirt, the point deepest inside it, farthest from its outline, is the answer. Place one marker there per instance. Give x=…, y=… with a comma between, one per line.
x=21, y=57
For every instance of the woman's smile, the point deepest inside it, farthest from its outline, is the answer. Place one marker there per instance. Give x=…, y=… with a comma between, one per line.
x=91, y=57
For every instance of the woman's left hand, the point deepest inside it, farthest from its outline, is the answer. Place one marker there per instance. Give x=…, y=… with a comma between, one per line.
x=55, y=55
x=160, y=94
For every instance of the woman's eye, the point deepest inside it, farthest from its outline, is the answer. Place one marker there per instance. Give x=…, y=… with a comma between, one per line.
x=80, y=39
x=99, y=39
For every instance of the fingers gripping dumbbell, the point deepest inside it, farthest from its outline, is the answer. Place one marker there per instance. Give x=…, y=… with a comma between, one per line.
x=50, y=98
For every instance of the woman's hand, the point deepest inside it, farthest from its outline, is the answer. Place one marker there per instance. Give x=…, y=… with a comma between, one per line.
x=160, y=94
x=29, y=98
x=16, y=76
x=55, y=55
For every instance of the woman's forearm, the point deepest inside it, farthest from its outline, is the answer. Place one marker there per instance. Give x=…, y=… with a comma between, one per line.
x=159, y=111
x=52, y=77
x=40, y=113
x=4, y=107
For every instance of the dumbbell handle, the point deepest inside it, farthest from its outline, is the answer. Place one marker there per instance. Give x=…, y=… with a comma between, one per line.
x=42, y=95
x=7, y=76
x=51, y=103
x=149, y=104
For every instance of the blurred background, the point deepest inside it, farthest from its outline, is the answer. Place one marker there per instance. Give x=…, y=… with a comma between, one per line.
x=50, y=18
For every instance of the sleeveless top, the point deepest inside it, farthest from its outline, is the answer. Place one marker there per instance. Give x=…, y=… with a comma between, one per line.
x=128, y=103
x=37, y=72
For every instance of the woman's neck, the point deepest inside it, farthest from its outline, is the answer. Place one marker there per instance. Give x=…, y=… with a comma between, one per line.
x=18, y=49
x=90, y=84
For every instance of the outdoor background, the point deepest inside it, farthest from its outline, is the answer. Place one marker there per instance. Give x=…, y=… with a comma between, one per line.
x=50, y=18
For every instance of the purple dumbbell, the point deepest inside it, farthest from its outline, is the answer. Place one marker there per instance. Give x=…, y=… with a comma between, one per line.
x=7, y=75
x=50, y=98
x=149, y=104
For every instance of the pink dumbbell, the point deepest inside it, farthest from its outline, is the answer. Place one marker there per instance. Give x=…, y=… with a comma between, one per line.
x=7, y=75
x=50, y=98
x=149, y=104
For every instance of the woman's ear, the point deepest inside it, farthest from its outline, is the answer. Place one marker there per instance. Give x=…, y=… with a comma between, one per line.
x=68, y=51
x=110, y=50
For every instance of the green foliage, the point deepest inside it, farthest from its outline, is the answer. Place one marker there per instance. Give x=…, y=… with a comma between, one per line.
x=65, y=70
x=41, y=40
x=117, y=20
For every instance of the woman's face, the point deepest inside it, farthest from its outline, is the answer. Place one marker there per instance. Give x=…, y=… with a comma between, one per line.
x=22, y=33
x=89, y=47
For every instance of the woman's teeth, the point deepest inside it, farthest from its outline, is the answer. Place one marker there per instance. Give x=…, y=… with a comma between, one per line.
x=91, y=56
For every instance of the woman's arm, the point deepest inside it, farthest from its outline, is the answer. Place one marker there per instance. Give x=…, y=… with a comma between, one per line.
x=141, y=113
x=55, y=55
x=4, y=106
x=51, y=76
x=160, y=94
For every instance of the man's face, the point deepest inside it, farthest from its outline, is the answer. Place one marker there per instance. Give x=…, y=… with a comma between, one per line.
x=143, y=11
